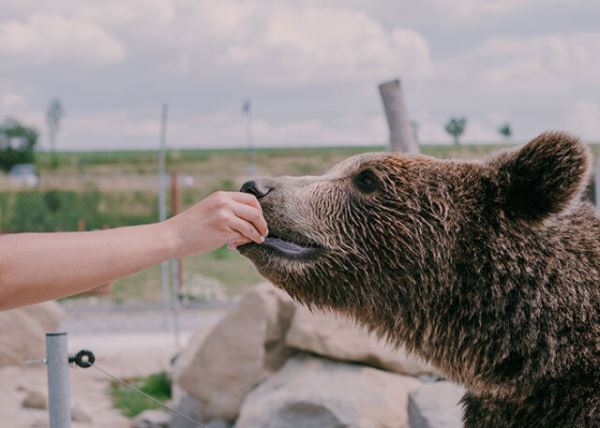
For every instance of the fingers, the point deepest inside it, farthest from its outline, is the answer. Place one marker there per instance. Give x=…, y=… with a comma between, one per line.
x=246, y=229
x=242, y=214
x=233, y=245
x=251, y=215
x=247, y=199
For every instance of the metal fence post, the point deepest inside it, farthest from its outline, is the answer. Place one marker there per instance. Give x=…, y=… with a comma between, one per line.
x=59, y=403
x=162, y=206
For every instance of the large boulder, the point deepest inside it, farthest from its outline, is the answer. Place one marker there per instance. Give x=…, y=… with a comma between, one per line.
x=35, y=399
x=336, y=337
x=187, y=405
x=436, y=405
x=23, y=332
x=48, y=314
x=243, y=350
x=312, y=392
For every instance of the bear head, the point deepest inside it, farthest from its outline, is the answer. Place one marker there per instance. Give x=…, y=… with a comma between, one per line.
x=428, y=253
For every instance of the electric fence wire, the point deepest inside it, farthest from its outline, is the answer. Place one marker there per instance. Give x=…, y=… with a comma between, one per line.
x=149, y=397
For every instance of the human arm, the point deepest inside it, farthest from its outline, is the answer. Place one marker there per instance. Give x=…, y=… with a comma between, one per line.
x=41, y=266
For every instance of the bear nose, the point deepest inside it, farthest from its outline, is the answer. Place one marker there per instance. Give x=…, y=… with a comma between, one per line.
x=260, y=190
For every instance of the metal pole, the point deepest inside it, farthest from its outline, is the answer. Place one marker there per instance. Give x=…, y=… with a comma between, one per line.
x=169, y=301
x=176, y=209
x=162, y=204
x=58, y=380
x=176, y=264
x=175, y=304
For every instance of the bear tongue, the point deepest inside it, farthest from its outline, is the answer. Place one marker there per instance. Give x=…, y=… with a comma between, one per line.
x=286, y=247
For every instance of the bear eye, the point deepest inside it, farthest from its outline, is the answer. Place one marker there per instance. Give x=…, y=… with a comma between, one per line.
x=366, y=181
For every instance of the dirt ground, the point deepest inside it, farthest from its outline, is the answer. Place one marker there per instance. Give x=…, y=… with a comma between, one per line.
x=122, y=346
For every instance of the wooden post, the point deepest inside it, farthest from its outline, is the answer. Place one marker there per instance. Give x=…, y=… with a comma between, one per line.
x=176, y=209
x=401, y=132
x=597, y=183
x=81, y=225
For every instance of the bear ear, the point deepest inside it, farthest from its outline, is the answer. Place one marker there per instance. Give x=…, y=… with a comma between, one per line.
x=543, y=177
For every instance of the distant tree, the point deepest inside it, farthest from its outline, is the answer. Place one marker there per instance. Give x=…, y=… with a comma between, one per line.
x=505, y=130
x=456, y=127
x=17, y=143
x=54, y=114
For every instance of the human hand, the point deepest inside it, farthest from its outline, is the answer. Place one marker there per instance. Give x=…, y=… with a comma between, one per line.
x=221, y=218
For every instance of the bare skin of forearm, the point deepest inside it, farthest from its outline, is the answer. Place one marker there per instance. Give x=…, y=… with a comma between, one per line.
x=40, y=266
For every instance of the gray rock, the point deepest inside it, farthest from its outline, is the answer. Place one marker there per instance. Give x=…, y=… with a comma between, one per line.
x=151, y=419
x=243, y=350
x=47, y=314
x=436, y=405
x=35, y=400
x=313, y=392
x=80, y=413
x=339, y=338
x=219, y=423
x=187, y=405
x=26, y=336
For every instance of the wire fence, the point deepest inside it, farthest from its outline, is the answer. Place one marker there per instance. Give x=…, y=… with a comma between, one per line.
x=86, y=202
x=58, y=363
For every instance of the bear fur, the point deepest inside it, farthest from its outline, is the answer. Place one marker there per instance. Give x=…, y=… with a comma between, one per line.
x=489, y=270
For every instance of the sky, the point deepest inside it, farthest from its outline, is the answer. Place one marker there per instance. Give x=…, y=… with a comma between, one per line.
x=310, y=68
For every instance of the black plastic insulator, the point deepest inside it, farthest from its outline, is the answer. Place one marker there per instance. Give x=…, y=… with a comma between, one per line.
x=83, y=359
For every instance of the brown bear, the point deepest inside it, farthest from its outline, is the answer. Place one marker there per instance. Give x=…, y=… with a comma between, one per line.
x=489, y=270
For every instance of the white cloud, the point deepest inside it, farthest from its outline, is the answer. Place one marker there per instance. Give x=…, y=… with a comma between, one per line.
x=468, y=10
x=287, y=42
x=347, y=130
x=137, y=16
x=432, y=130
x=473, y=10
x=11, y=101
x=16, y=105
x=43, y=38
x=121, y=123
x=227, y=129
x=313, y=64
x=544, y=63
x=480, y=132
x=140, y=129
x=584, y=120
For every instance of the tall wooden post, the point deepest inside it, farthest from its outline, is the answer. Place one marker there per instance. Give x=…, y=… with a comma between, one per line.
x=401, y=133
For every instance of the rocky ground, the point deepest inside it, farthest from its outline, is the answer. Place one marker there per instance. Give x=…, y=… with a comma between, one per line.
x=262, y=363
x=270, y=363
x=125, y=344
